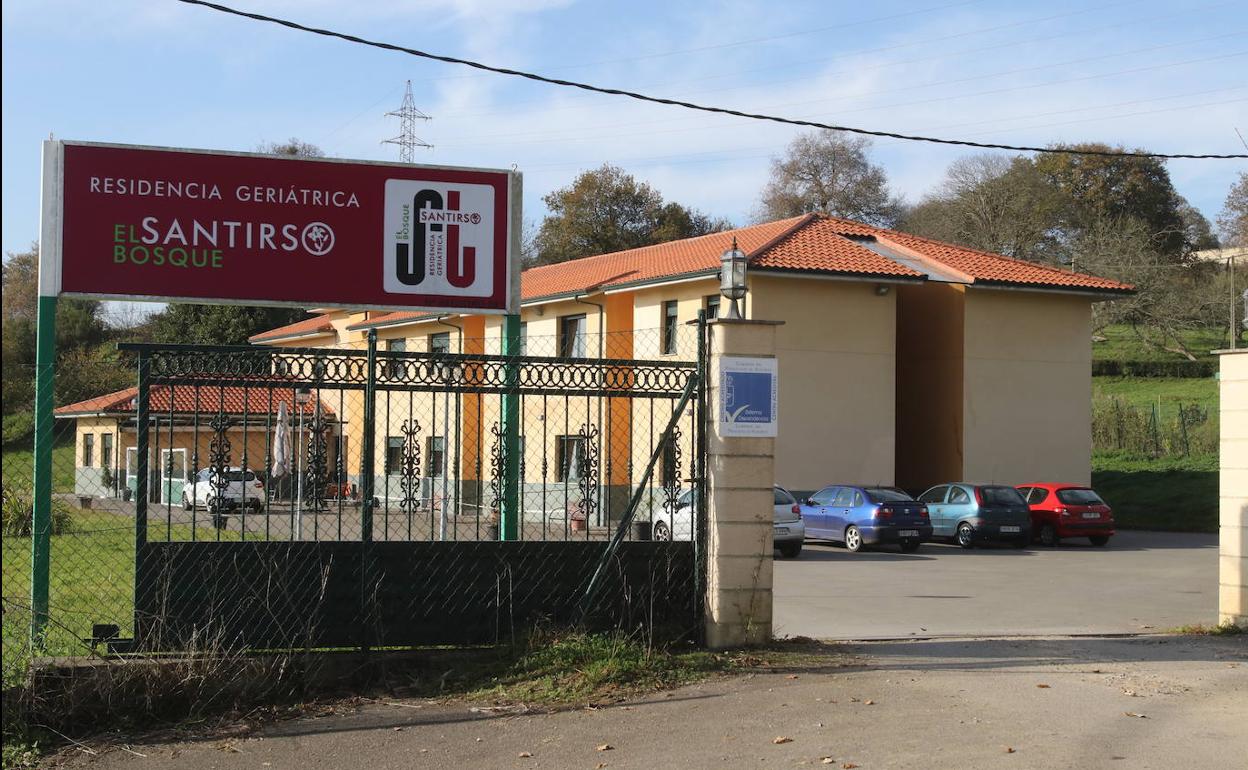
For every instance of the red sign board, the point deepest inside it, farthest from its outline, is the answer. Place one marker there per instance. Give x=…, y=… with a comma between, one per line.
x=163, y=224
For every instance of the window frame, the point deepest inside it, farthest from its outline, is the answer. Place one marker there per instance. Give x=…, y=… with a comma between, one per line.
x=393, y=465
x=573, y=345
x=941, y=498
x=88, y=450
x=433, y=450
x=710, y=301
x=567, y=464
x=958, y=490
x=106, y=450
x=671, y=322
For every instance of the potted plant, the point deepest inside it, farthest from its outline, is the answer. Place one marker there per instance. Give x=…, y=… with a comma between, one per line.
x=577, y=516
x=491, y=526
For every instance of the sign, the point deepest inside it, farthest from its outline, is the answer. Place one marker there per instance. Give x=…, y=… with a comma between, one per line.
x=124, y=222
x=747, y=396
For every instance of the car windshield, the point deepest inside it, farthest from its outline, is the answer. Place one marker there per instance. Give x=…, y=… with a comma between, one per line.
x=1079, y=497
x=888, y=495
x=235, y=475
x=1001, y=496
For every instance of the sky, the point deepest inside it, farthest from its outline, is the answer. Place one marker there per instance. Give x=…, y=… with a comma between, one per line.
x=1168, y=77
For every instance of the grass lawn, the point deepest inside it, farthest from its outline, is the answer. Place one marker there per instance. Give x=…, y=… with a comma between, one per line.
x=1174, y=494
x=1122, y=344
x=19, y=466
x=1143, y=392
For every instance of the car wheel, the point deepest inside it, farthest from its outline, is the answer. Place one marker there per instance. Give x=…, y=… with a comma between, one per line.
x=256, y=506
x=1048, y=536
x=910, y=547
x=218, y=520
x=853, y=540
x=187, y=503
x=790, y=550
x=1099, y=541
x=966, y=536
x=661, y=531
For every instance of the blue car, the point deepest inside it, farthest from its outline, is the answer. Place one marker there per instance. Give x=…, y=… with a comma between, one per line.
x=862, y=516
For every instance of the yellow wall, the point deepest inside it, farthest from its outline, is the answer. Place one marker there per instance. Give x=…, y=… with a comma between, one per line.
x=1027, y=401
x=930, y=323
x=836, y=354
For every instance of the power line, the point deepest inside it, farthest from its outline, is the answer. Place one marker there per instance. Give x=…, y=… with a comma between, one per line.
x=687, y=105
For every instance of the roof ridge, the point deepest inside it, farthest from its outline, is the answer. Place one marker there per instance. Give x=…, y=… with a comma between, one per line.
x=776, y=240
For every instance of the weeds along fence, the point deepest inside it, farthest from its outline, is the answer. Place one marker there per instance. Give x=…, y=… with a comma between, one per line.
x=591, y=471
x=1165, y=429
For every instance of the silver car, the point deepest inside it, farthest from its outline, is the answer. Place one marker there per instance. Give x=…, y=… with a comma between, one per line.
x=788, y=528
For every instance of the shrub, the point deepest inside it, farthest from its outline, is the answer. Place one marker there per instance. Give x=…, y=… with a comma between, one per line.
x=18, y=429
x=18, y=510
x=1188, y=369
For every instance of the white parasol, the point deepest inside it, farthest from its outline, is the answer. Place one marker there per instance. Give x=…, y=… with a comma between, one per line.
x=281, y=443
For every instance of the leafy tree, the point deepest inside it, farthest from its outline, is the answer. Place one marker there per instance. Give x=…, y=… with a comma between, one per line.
x=1233, y=221
x=608, y=210
x=828, y=172
x=994, y=203
x=1100, y=188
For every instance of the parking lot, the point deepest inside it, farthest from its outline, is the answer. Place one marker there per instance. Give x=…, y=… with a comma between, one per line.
x=1143, y=581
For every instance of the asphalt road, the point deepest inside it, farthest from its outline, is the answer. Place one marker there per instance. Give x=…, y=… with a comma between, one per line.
x=1159, y=702
x=1141, y=582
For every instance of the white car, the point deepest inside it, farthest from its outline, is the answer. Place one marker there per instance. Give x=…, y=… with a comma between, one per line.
x=240, y=489
x=789, y=530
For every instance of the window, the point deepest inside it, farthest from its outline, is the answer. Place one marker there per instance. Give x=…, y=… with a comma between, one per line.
x=1000, y=496
x=784, y=498
x=824, y=496
x=394, y=455
x=844, y=498
x=888, y=495
x=711, y=306
x=435, y=454
x=572, y=336
x=88, y=450
x=440, y=343
x=959, y=496
x=106, y=450
x=394, y=367
x=669, y=326
x=569, y=455
x=858, y=499
x=934, y=495
x=522, y=346
x=1079, y=497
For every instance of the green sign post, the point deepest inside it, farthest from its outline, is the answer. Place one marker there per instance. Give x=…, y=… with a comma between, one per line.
x=509, y=526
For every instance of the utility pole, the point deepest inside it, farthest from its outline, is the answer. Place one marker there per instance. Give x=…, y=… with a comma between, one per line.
x=407, y=139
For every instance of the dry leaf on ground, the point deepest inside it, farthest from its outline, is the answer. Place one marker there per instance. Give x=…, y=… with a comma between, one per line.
x=1043, y=686
x=781, y=739
x=525, y=754
x=1134, y=714
x=604, y=747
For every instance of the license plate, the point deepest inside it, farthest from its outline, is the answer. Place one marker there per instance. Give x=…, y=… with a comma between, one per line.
x=1011, y=529
x=908, y=533
x=782, y=530
x=1091, y=515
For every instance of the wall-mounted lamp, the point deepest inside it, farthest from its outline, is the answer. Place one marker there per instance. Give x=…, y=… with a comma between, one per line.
x=732, y=278
x=881, y=289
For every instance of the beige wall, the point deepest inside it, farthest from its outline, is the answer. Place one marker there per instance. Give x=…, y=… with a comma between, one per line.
x=1233, y=490
x=1027, y=400
x=836, y=354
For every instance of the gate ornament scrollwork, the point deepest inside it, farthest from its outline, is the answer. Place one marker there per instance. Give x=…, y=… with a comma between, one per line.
x=318, y=461
x=409, y=482
x=587, y=471
x=672, y=457
x=219, y=448
x=498, y=465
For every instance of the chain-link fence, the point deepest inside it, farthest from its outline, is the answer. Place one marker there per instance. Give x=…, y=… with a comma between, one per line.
x=333, y=497
x=1159, y=429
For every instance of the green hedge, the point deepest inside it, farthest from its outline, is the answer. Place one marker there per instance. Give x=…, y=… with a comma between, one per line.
x=1194, y=369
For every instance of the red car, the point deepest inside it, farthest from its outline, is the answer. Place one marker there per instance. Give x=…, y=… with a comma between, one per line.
x=1068, y=510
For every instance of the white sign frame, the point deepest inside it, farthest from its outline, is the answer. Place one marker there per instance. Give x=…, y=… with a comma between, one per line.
x=734, y=371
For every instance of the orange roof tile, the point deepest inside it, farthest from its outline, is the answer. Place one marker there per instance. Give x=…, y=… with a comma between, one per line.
x=317, y=324
x=813, y=243
x=236, y=400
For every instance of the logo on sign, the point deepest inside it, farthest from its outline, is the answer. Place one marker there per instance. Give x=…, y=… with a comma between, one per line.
x=439, y=237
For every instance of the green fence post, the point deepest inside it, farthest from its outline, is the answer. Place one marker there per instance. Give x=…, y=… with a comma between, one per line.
x=41, y=515
x=509, y=525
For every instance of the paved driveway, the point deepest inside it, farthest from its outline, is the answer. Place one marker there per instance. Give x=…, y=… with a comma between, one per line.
x=1142, y=581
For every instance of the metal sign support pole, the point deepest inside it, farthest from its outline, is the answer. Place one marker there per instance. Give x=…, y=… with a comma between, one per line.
x=509, y=528
x=41, y=515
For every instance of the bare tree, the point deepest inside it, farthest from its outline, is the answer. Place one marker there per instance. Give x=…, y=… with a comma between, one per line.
x=830, y=173
x=1233, y=221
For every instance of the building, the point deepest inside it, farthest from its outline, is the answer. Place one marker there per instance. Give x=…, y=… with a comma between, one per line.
x=902, y=360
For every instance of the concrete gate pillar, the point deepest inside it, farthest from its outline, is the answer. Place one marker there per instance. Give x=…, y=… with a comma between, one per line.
x=1233, y=489
x=740, y=475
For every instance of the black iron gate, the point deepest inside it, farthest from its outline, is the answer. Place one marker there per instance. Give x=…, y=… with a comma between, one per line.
x=306, y=497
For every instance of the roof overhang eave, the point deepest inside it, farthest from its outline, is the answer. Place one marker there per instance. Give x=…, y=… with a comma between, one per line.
x=290, y=337
x=829, y=275
x=1096, y=295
